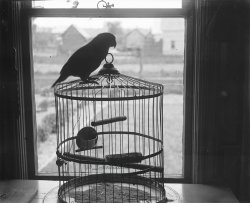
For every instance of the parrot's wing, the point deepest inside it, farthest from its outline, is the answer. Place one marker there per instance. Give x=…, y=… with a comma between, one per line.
x=86, y=59
x=82, y=60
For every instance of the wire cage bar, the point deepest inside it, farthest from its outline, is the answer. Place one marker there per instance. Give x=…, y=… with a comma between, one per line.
x=110, y=139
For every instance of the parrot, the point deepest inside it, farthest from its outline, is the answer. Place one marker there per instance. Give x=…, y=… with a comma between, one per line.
x=88, y=58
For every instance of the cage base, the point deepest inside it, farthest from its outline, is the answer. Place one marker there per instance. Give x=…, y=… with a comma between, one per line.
x=171, y=195
x=111, y=188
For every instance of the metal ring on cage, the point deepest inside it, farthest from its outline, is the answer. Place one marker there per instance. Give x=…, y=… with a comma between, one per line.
x=93, y=160
x=147, y=185
x=112, y=58
x=114, y=132
x=134, y=97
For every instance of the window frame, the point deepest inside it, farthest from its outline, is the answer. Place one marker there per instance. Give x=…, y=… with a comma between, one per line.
x=186, y=12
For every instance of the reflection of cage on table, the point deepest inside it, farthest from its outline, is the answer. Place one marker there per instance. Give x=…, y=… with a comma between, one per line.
x=110, y=139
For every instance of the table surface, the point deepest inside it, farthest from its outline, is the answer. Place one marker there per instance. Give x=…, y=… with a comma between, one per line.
x=38, y=189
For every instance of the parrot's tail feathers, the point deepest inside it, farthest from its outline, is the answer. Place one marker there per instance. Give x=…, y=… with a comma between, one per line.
x=60, y=79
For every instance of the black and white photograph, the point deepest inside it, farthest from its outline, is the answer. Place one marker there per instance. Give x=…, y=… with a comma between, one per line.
x=125, y=101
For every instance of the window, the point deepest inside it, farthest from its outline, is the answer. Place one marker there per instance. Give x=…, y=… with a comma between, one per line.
x=143, y=37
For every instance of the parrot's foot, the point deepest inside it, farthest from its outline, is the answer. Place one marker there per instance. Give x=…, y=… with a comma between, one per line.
x=89, y=80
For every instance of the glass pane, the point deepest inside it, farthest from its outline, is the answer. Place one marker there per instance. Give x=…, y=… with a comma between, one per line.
x=107, y=4
x=151, y=49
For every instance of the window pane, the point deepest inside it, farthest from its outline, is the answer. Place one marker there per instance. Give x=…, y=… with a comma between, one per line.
x=152, y=49
x=108, y=3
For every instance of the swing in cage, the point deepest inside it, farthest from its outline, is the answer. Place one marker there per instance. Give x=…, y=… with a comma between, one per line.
x=110, y=139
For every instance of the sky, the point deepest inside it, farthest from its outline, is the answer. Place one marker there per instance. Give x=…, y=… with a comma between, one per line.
x=150, y=23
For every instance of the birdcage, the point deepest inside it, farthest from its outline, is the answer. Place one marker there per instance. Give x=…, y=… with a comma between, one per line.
x=110, y=139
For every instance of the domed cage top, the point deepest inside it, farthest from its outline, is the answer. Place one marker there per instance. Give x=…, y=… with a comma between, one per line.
x=110, y=137
x=108, y=87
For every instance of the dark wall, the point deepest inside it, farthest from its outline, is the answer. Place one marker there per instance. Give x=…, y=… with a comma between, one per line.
x=8, y=92
x=12, y=135
x=223, y=63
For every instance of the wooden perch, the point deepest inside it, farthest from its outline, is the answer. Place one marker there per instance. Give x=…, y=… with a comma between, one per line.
x=84, y=149
x=134, y=157
x=109, y=120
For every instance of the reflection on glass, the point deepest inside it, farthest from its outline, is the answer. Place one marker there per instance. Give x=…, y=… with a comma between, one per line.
x=107, y=4
x=151, y=49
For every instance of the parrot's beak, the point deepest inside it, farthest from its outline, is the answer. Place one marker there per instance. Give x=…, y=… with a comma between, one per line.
x=114, y=44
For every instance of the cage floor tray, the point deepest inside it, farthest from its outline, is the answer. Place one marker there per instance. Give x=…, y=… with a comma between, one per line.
x=111, y=192
x=110, y=188
x=52, y=196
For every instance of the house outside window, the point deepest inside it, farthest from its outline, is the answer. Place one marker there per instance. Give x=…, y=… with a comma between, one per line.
x=172, y=35
x=141, y=52
x=172, y=44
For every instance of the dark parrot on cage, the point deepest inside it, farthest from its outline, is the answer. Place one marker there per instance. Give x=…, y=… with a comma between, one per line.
x=87, y=58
